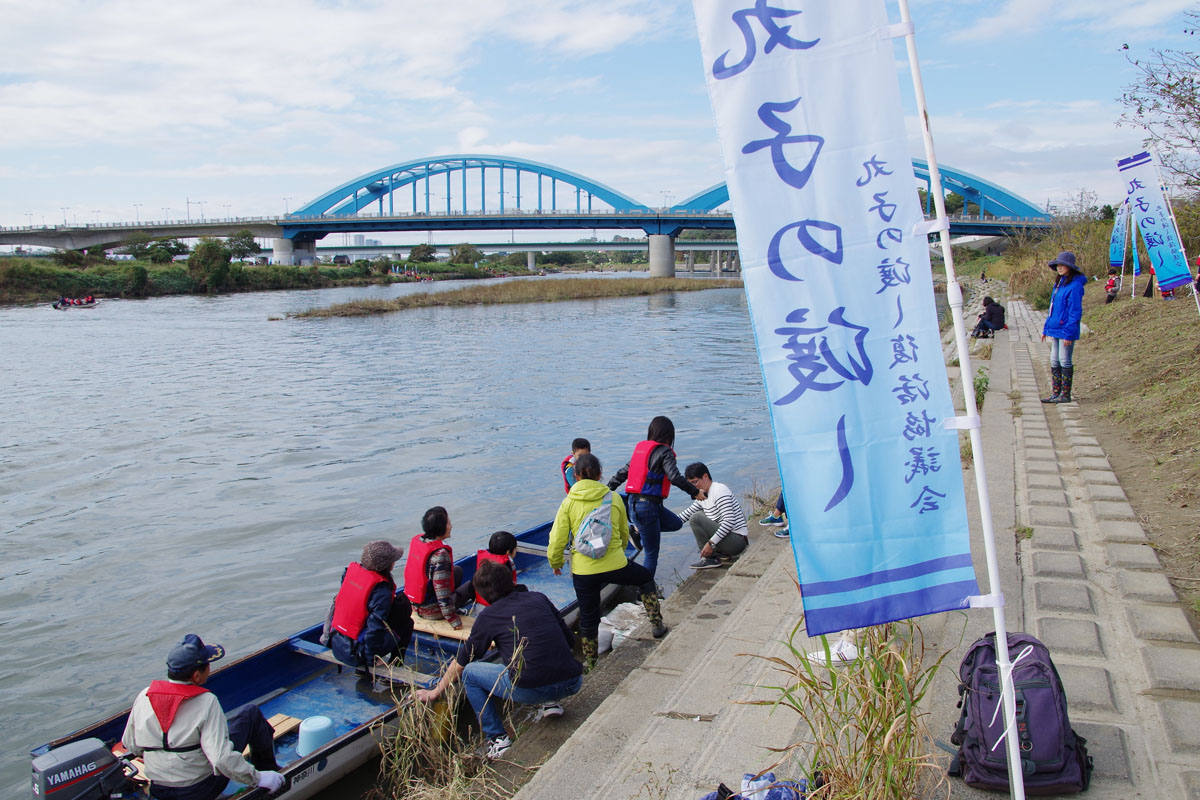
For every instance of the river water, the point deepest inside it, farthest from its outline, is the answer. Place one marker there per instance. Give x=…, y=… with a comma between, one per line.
x=185, y=464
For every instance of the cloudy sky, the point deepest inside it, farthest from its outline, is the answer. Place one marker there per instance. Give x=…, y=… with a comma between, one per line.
x=117, y=108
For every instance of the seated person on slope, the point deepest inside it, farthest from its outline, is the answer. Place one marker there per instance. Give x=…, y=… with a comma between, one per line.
x=369, y=618
x=717, y=519
x=430, y=575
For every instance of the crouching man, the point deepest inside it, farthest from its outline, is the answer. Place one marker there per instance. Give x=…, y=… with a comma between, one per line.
x=536, y=664
x=190, y=750
x=717, y=519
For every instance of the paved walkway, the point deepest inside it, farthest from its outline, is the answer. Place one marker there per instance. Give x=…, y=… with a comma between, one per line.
x=1076, y=572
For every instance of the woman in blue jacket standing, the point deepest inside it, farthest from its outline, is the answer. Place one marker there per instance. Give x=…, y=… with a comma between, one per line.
x=1062, y=325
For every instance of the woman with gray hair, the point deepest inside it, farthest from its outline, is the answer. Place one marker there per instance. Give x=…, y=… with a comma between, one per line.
x=369, y=618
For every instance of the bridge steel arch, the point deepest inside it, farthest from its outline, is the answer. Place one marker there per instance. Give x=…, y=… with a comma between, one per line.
x=990, y=197
x=373, y=188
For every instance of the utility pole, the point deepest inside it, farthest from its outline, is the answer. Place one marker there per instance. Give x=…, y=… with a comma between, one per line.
x=64, y=210
x=285, y=205
x=137, y=216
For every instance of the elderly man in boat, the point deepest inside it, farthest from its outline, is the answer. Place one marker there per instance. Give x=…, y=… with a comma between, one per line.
x=189, y=749
x=369, y=619
x=536, y=663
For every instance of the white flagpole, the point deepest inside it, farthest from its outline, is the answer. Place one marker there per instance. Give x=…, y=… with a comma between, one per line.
x=1124, y=238
x=954, y=294
x=1178, y=238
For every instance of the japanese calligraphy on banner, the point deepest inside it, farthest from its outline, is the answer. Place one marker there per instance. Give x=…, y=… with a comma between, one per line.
x=841, y=302
x=1152, y=217
x=1116, y=245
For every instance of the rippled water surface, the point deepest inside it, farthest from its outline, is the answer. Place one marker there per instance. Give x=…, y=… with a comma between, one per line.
x=185, y=464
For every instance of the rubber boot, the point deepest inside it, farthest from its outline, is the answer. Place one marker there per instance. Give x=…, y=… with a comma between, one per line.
x=654, y=614
x=1068, y=376
x=1056, y=384
x=591, y=648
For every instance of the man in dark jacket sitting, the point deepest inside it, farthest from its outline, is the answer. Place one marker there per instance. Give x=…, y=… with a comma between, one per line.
x=369, y=617
x=536, y=663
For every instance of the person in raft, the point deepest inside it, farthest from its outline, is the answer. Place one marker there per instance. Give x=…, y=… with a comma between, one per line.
x=502, y=548
x=536, y=665
x=589, y=575
x=1062, y=325
x=578, y=448
x=717, y=519
x=190, y=750
x=368, y=618
x=648, y=478
x=430, y=575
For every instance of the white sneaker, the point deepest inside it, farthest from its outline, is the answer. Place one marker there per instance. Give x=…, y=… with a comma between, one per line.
x=550, y=710
x=498, y=747
x=841, y=653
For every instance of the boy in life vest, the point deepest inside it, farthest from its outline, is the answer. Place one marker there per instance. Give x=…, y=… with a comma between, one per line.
x=189, y=749
x=430, y=575
x=369, y=619
x=502, y=548
x=578, y=448
x=1113, y=286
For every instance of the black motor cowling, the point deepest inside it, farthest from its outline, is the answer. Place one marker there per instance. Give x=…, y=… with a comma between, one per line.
x=82, y=770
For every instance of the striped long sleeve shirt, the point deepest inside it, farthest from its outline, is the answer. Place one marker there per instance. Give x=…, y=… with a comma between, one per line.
x=722, y=507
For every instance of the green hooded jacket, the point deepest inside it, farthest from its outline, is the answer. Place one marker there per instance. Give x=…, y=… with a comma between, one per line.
x=584, y=496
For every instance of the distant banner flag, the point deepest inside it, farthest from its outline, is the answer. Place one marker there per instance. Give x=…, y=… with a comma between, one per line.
x=1152, y=218
x=1137, y=261
x=836, y=265
x=1116, y=245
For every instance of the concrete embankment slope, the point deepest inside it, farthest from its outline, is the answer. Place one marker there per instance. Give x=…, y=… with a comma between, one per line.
x=1076, y=572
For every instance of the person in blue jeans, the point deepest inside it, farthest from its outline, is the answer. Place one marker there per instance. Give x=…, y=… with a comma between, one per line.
x=542, y=673
x=648, y=478
x=1062, y=325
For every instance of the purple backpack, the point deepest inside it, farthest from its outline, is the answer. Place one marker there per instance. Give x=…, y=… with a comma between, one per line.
x=1054, y=759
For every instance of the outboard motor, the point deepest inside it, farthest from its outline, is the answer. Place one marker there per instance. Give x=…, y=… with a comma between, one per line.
x=82, y=770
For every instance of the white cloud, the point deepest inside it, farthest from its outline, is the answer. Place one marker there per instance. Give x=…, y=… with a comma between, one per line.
x=1023, y=16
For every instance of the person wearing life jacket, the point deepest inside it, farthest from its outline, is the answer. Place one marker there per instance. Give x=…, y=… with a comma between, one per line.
x=502, y=548
x=648, y=478
x=368, y=617
x=578, y=447
x=189, y=749
x=430, y=575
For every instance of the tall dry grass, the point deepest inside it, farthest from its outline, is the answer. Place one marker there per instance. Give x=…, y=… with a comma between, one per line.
x=522, y=292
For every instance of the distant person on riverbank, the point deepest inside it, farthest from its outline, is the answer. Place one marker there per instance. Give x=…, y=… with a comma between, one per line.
x=541, y=670
x=430, y=575
x=590, y=574
x=717, y=519
x=369, y=618
x=189, y=748
x=578, y=448
x=991, y=320
x=1062, y=324
x=648, y=478
x=502, y=549
x=1113, y=286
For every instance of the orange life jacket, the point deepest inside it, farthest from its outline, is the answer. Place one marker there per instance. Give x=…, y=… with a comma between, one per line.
x=350, y=608
x=641, y=480
x=416, y=574
x=487, y=555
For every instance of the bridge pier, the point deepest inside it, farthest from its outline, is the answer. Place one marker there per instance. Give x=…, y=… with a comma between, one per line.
x=282, y=253
x=531, y=261
x=691, y=261
x=662, y=255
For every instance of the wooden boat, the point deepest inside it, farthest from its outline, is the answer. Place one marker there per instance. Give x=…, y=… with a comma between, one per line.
x=61, y=306
x=291, y=680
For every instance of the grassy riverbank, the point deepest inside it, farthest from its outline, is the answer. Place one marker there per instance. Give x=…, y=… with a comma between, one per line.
x=521, y=292
x=42, y=280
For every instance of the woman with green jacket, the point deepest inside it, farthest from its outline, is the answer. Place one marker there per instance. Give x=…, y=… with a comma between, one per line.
x=589, y=575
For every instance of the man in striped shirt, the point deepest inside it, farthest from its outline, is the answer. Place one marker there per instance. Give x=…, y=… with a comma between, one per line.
x=717, y=519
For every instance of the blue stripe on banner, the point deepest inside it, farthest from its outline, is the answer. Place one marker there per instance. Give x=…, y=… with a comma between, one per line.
x=935, y=599
x=895, y=588
x=887, y=575
x=1133, y=161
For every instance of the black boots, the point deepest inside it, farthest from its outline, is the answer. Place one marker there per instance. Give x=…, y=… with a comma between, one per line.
x=654, y=614
x=591, y=648
x=1056, y=383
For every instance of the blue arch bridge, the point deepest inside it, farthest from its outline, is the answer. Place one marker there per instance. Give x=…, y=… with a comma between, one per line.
x=500, y=193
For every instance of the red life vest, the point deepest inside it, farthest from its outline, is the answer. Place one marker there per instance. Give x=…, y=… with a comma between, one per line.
x=350, y=608
x=566, y=462
x=487, y=555
x=641, y=480
x=416, y=573
x=165, y=698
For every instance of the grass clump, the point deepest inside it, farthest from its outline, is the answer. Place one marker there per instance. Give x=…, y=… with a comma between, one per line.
x=867, y=737
x=1023, y=531
x=981, y=387
x=521, y=292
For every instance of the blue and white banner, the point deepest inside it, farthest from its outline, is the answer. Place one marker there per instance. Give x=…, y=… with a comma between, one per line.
x=1116, y=245
x=836, y=266
x=1152, y=217
x=1137, y=260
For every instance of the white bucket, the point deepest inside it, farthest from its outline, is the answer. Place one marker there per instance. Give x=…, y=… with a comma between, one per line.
x=315, y=732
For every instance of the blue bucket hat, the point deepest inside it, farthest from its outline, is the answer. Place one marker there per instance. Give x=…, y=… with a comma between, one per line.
x=1066, y=258
x=192, y=654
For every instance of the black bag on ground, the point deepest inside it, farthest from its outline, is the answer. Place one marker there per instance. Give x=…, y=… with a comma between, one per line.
x=1054, y=758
